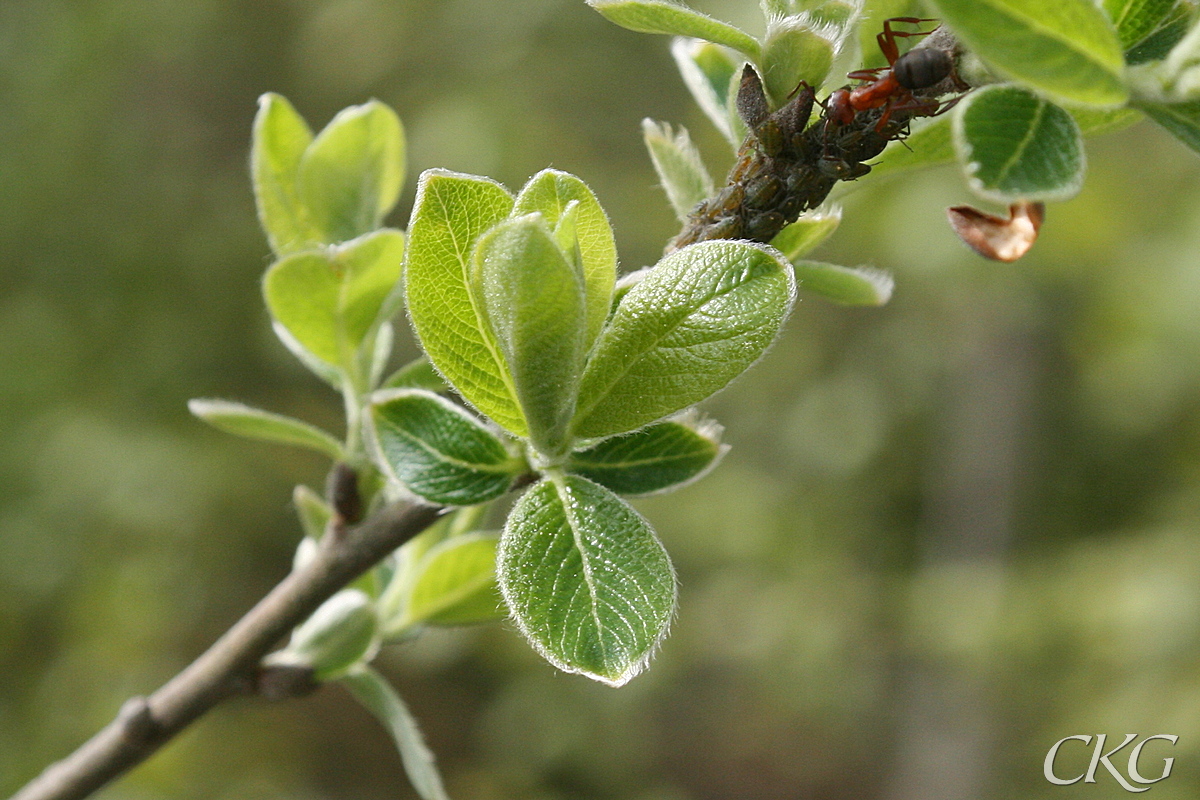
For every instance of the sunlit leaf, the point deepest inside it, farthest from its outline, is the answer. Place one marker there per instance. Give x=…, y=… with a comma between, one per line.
x=351, y=175
x=707, y=71
x=661, y=16
x=550, y=193
x=793, y=52
x=455, y=584
x=805, y=234
x=451, y=212
x=1065, y=48
x=280, y=138
x=329, y=300
x=699, y=319
x=416, y=374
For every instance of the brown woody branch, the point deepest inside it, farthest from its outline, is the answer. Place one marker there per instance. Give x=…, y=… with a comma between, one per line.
x=231, y=665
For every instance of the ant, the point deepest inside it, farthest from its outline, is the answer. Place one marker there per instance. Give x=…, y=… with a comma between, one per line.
x=917, y=69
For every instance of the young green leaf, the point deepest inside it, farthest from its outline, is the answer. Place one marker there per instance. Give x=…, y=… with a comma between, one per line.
x=351, y=175
x=586, y=579
x=793, y=52
x=326, y=372
x=254, y=423
x=330, y=300
x=1066, y=48
x=451, y=212
x=313, y=511
x=280, y=138
x=707, y=71
x=336, y=637
x=678, y=164
x=1016, y=146
x=699, y=319
x=437, y=450
x=661, y=16
x=1181, y=119
x=850, y=286
x=1135, y=20
x=416, y=374
x=377, y=696
x=534, y=302
x=666, y=455
x=802, y=236
x=1096, y=121
x=550, y=193
x=455, y=584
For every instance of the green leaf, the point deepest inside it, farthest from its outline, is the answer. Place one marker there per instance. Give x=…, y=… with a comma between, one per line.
x=1181, y=119
x=930, y=144
x=351, y=175
x=416, y=374
x=793, y=52
x=850, y=286
x=1135, y=20
x=326, y=372
x=534, y=303
x=550, y=193
x=1065, y=48
x=336, y=637
x=313, y=511
x=330, y=300
x=451, y=212
x=699, y=319
x=663, y=456
x=1016, y=146
x=377, y=696
x=437, y=450
x=1095, y=121
x=455, y=584
x=660, y=16
x=678, y=164
x=707, y=71
x=280, y=138
x=802, y=236
x=254, y=423
x=1162, y=40
x=586, y=579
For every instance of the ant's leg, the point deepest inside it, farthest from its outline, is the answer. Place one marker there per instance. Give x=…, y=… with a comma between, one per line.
x=887, y=39
x=865, y=74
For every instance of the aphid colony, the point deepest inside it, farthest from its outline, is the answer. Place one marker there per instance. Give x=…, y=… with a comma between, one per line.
x=787, y=166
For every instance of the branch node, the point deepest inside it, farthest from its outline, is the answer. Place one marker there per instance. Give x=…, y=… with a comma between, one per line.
x=138, y=724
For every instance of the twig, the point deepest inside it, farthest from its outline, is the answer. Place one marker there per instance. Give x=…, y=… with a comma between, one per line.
x=145, y=724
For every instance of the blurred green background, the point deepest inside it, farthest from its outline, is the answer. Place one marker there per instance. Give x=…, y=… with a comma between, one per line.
x=950, y=532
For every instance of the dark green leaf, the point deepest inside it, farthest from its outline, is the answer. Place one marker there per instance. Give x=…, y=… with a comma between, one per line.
x=662, y=456
x=437, y=450
x=1016, y=146
x=1181, y=119
x=1135, y=20
x=586, y=579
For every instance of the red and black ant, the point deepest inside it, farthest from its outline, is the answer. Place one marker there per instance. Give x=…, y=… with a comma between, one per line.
x=893, y=89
